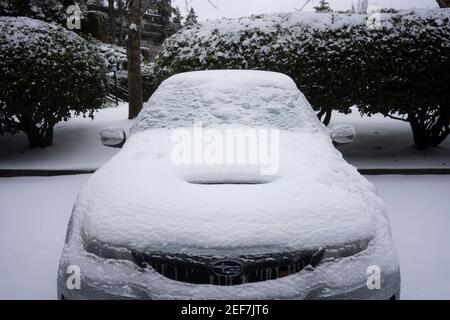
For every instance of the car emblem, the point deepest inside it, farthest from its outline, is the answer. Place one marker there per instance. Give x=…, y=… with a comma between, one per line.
x=227, y=268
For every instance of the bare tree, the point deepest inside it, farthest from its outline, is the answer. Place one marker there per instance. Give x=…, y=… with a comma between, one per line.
x=134, y=58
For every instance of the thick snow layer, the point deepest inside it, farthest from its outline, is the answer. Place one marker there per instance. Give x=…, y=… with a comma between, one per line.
x=16, y=25
x=316, y=199
x=322, y=21
x=34, y=231
x=251, y=98
x=203, y=40
x=140, y=199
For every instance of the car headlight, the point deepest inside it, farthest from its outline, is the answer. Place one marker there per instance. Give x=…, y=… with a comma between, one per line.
x=345, y=250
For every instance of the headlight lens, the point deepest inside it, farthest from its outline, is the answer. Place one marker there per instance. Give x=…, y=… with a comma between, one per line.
x=345, y=250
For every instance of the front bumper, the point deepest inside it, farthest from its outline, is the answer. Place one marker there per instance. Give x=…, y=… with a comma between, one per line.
x=94, y=291
x=344, y=278
x=104, y=279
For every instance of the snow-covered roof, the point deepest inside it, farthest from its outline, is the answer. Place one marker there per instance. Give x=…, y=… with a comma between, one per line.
x=251, y=98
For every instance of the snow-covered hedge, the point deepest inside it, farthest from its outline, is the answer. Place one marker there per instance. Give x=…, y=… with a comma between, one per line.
x=337, y=60
x=47, y=74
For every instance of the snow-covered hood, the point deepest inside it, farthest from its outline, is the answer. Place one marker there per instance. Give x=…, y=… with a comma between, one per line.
x=141, y=200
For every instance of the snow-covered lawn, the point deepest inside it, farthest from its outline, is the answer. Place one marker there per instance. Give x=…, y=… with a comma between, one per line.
x=380, y=143
x=34, y=214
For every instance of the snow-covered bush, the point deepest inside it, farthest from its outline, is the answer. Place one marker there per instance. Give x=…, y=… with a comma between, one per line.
x=330, y=56
x=47, y=10
x=47, y=74
x=113, y=55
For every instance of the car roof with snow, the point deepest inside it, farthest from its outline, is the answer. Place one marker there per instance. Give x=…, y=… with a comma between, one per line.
x=246, y=97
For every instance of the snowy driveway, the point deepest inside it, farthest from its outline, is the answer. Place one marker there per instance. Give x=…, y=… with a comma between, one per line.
x=34, y=214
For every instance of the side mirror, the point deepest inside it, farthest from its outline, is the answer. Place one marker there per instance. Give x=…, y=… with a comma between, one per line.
x=113, y=137
x=343, y=134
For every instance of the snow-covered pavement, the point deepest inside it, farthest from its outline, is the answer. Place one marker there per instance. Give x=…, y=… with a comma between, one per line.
x=34, y=214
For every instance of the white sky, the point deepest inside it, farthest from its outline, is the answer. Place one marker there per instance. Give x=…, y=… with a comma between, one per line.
x=239, y=8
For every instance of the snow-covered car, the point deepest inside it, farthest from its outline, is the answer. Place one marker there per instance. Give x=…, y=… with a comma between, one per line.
x=305, y=225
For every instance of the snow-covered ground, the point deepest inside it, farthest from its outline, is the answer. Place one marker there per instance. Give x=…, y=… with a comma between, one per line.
x=380, y=143
x=386, y=143
x=76, y=144
x=419, y=210
x=33, y=218
x=32, y=232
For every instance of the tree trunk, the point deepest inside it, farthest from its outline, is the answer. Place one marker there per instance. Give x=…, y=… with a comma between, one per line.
x=441, y=128
x=37, y=137
x=327, y=119
x=327, y=113
x=120, y=12
x=420, y=134
x=134, y=59
x=443, y=3
x=112, y=20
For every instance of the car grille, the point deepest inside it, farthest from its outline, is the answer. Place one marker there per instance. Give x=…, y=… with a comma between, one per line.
x=228, y=271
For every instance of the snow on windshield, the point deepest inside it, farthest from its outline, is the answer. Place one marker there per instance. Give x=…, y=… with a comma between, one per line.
x=249, y=98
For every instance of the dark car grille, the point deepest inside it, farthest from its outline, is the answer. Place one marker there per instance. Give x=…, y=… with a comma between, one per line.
x=228, y=271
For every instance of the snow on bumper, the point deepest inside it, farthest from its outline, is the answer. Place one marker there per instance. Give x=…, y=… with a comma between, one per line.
x=344, y=278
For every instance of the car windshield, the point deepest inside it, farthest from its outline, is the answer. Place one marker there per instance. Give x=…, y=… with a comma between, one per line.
x=248, y=98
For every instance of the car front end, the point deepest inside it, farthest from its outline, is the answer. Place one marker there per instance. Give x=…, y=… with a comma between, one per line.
x=363, y=269
x=295, y=222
